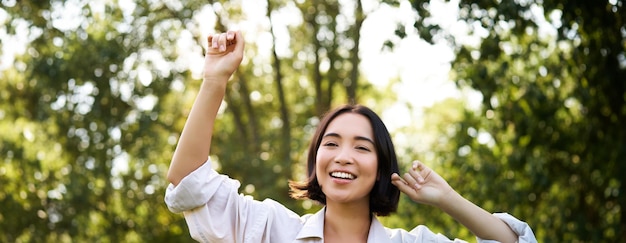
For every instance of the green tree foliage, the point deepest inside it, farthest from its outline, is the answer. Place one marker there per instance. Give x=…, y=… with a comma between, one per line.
x=93, y=108
x=548, y=143
x=89, y=113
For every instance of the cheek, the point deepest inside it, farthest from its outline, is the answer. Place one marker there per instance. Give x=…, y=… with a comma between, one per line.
x=322, y=157
x=320, y=163
x=372, y=166
x=318, y=157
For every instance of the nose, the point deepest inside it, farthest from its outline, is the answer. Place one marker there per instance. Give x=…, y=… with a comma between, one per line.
x=344, y=157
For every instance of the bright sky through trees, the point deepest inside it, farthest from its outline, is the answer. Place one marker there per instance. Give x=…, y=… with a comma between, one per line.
x=421, y=67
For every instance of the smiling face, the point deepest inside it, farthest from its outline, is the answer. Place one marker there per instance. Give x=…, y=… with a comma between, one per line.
x=351, y=123
x=346, y=161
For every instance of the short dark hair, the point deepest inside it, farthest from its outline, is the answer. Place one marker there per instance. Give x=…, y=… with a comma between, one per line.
x=384, y=196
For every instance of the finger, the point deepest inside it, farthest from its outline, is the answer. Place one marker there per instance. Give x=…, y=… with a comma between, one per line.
x=214, y=41
x=209, y=41
x=222, y=42
x=411, y=181
x=402, y=185
x=230, y=38
x=418, y=165
x=416, y=174
x=396, y=178
x=240, y=43
x=423, y=170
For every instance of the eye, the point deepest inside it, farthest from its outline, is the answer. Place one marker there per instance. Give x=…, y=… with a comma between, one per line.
x=330, y=144
x=363, y=148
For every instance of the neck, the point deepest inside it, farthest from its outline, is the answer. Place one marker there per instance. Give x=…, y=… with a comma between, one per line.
x=347, y=222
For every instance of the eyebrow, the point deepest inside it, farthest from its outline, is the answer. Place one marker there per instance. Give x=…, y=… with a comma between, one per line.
x=332, y=134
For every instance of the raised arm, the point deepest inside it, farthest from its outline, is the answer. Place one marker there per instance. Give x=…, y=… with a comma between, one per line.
x=423, y=185
x=223, y=56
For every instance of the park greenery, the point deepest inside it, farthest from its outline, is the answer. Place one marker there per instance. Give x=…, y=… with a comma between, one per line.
x=91, y=109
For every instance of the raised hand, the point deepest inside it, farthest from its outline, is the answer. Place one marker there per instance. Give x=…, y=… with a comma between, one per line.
x=422, y=185
x=223, y=55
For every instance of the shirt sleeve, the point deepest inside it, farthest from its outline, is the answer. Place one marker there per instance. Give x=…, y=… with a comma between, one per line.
x=422, y=233
x=195, y=189
x=521, y=228
x=216, y=212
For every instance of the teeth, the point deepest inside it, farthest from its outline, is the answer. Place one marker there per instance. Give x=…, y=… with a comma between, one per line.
x=342, y=175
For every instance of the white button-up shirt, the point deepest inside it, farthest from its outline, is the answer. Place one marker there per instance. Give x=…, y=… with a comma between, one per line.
x=216, y=212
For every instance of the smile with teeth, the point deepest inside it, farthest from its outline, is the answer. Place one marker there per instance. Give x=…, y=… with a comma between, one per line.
x=342, y=175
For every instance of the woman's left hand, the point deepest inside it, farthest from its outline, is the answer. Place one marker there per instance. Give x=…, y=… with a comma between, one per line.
x=422, y=184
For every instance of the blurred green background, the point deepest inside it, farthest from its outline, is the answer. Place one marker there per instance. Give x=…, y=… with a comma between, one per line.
x=520, y=105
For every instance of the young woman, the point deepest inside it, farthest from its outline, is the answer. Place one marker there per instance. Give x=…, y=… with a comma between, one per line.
x=352, y=171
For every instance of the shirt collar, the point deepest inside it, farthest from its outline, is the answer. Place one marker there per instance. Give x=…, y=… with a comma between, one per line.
x=378, y=232
x=314, y=228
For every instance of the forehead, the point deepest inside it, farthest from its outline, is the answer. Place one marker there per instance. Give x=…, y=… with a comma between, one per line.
x=351, y=124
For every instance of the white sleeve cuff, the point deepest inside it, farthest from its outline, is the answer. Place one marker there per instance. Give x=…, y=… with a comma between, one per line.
x=521, y=228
